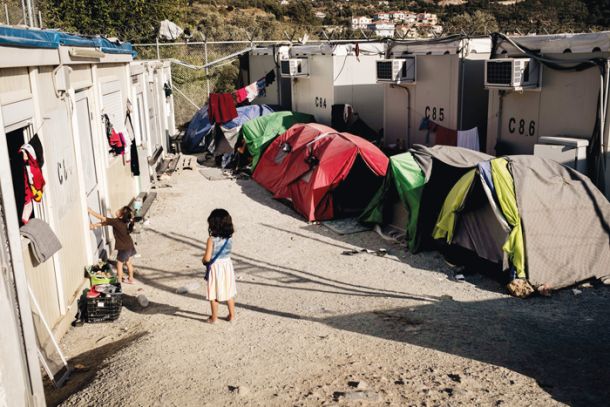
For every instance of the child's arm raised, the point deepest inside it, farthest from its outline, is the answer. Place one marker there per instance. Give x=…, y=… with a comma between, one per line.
x=209, y=248
x=96, y=215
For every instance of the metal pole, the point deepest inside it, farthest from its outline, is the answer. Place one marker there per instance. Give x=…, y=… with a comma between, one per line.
x=158, y=52
x=205, y=53
x=30, y=13
x=8, y=20
x=25, y=18
x=39, y=19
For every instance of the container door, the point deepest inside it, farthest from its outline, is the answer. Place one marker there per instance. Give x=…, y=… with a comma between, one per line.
x=88, y=158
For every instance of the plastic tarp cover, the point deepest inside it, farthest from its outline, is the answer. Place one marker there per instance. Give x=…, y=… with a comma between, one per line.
x=505, y=191
x=258, y=133
x=198, y=129
x=52, y=39
x=445, y=225
x=408, y=178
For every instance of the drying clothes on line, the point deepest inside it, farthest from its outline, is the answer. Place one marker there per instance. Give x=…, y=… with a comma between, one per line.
x=221, y=108
x=469, y=139
x=33, y=180
x=43, y=241
x=261, y=84
x=251, y=91
x=270, y=77
x=241, y=95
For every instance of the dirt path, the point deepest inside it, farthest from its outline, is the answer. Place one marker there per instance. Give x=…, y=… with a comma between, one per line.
x=316, y=328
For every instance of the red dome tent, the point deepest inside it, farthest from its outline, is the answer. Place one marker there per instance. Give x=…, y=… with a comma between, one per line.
x=324, y=173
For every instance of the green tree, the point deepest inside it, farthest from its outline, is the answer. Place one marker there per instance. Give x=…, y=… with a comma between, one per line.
x=477, y=23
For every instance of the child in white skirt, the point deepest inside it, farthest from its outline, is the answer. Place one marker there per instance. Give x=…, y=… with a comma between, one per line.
x=217, y=259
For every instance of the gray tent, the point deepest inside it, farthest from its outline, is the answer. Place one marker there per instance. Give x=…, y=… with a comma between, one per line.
x=547, y=223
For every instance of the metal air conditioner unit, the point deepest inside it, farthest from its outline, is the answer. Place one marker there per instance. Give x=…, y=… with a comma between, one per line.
x=399, y=70
x=294, y=67
x=512, y=73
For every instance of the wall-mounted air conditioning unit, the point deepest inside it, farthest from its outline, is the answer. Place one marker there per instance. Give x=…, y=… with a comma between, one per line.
x=512, y=73
x=294, y=67
x=399, y=70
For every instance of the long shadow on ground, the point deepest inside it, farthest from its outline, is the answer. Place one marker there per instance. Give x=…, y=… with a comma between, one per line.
x=562, y=343
x=85, y=367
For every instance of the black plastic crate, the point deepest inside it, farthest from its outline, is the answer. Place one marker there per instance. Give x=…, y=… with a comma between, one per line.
x=106, y=307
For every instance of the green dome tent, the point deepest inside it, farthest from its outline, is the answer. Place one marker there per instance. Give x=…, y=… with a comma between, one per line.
x=260, y=132
x=420, y=179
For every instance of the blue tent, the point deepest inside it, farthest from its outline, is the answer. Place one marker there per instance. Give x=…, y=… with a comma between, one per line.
x=200, y=126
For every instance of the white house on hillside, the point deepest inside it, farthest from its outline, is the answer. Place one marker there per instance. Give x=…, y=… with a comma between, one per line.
x=382, y=28
x=361, y=22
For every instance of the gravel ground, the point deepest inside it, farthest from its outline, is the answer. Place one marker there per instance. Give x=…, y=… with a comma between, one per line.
x=315, y=327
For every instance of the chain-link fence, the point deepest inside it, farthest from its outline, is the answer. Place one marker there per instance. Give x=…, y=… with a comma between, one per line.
x=193, y=85
x=21, y=12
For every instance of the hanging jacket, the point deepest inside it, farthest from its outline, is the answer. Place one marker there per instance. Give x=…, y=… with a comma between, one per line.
x=33, y=180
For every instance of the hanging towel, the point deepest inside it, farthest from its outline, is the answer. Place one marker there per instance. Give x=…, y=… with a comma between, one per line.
x=221, y=108
x=469, y=139
x=252, y=91
x=445, y=136
x=241, y=95
x=33, y=180
x=43, y=241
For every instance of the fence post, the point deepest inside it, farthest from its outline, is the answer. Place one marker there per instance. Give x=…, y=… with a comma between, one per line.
x=205, y=53
x=157, y=43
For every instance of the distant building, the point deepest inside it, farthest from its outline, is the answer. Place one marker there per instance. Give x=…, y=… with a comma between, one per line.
x=383, y=3
x=382, y=28
x=380, y=16
x=284, y=2
x=398, y=16
x=427, y=18
x=361, y=22
x=320, y=15
x=410, y=18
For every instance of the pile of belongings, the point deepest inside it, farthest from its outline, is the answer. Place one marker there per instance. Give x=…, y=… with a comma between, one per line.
x=543, y=225
x=202, y=135
x=322, y=172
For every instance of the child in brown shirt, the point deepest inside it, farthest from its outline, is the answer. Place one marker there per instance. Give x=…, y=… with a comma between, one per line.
x=122, y=225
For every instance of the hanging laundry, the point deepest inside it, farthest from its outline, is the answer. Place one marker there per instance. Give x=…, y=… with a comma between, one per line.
x=445, y=136
x=43, y=241
x=469, y=139
x=241, y=95
x=261, y=84
x=114, y=140
x=270, y=77
x=35, y=142
x=252, y=91
x=221, y=108
x=33, y=180
x=135, y=162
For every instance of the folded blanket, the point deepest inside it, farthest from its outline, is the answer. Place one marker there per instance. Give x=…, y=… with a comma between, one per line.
x=43, y=241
